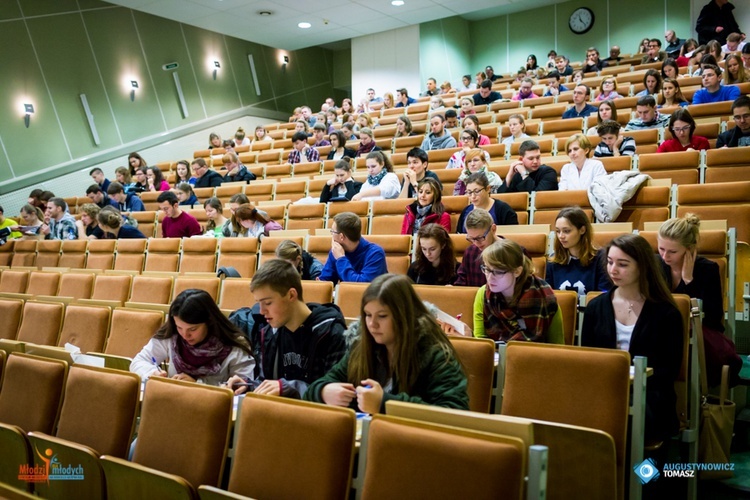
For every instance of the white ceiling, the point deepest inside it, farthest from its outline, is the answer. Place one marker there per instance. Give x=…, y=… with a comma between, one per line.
x=332, y=20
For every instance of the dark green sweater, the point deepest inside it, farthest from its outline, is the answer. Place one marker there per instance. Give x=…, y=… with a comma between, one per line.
x=439, y=383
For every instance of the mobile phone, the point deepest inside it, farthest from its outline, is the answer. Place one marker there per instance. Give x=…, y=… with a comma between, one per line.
x=29, y=229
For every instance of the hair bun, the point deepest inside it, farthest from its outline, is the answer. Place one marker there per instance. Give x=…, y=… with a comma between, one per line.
x=693, y=219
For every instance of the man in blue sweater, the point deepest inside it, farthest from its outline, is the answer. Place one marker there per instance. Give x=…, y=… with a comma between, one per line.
x=352, y=258
x=713, y=90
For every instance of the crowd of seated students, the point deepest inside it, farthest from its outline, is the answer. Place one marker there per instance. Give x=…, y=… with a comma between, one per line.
x=399, y=350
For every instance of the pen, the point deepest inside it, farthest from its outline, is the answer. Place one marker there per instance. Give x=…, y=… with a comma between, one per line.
x=158, y=366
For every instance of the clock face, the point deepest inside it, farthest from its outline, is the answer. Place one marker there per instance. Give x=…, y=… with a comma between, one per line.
x=581, y=20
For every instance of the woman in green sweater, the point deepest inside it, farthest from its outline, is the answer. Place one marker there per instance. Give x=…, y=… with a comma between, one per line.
x=402, y=354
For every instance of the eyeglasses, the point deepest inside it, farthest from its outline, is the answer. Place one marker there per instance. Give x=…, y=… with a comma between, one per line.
x=478, y=239
x=742, y=118
x=682, y=129
x=608, y=83
x=335, y=232
x=474, y=192
x=467, y=138
x=493, y=272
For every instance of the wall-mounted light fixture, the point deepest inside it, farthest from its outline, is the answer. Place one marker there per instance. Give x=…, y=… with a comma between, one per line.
x=217, y=67
x=286, y=59
x=29, y=110
x=133, y=87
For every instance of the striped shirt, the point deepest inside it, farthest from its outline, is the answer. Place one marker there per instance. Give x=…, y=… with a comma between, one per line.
x=626, y=148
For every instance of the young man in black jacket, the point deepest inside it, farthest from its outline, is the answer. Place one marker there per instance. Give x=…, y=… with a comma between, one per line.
x=527, y=174
x=206, y=177
x=740, y=134
x=294, y=343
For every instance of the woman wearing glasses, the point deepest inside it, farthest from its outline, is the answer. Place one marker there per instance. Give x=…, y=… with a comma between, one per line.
x=469, y=140
x=476, y=162
x=682, y=126
x=608, y=89
x=478, y=190
x=514, y=304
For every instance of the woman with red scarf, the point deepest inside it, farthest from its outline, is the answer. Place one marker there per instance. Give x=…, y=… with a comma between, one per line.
x=200, y=342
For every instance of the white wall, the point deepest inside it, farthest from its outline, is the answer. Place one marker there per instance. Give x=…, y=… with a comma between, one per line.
x=386, y=59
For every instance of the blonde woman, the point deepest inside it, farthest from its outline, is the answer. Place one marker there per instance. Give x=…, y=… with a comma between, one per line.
x=582, y=170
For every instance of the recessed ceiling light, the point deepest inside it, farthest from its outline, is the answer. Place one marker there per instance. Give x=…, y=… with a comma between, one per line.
x=304, y=26
x=397, y=3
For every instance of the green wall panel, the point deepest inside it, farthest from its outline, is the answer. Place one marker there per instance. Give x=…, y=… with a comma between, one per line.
x=42, y=143
x=9, y=9
x=118, y=52
x=539, y=44
x=286, y=78
x=163, y=43
x=678, y=18
x=74, y=37
x=92, y=4
x=633, y=20
x=288, y=102
x=486, y=52
x=444, y=50
x=219, y=95
x=238, y=51
x=342, y=70
x=42, y=7
x=70, y=70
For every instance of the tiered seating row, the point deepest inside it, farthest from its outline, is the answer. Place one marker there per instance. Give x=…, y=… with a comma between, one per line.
x=654, y=202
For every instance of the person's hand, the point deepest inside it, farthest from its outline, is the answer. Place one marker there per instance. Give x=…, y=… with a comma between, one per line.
x=236, y=379
x=80, y=226
x=449, y=330
x=183, y=376
x=369, y=396
x=410, y=176
x=357, y=197
x=688, y=264
x=15, y=228
x=158, y=373
x=690, y=149
x=44, y=229
x=338, y=394
x=553, y=90
x=269, y=388
x=332, y=181
x=516, y=166
x=719, y=29
x=337, y=250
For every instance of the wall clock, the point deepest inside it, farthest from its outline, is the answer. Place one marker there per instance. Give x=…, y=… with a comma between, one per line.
x=581, y=20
